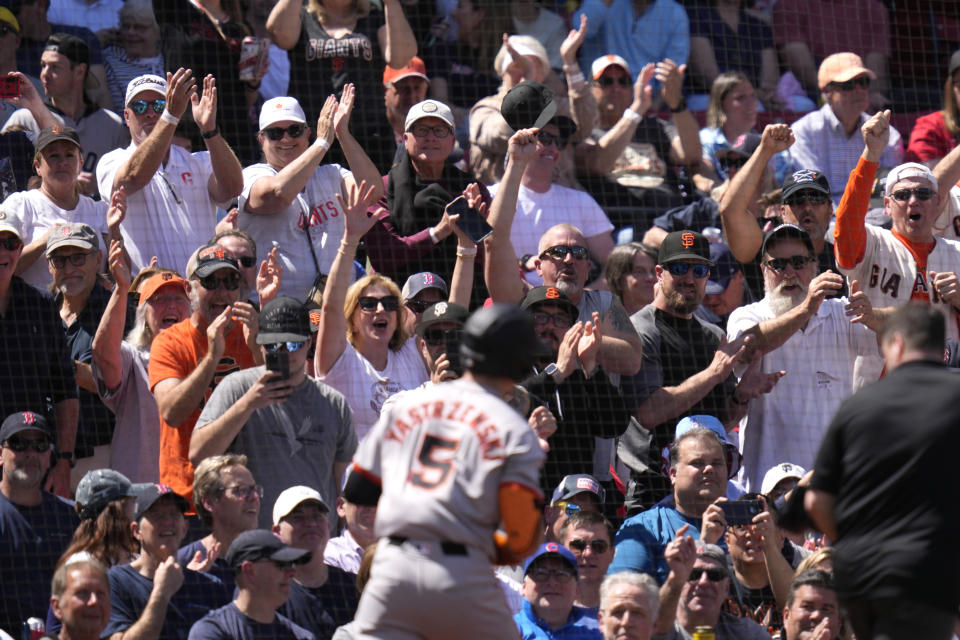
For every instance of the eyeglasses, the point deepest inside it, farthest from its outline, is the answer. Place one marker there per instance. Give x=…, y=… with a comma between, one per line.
x=139, y=107
x=561, y=251
x=369, y=303
x=247, y=261
x=11, y=244
x=596, y=546
x=273, y=347
x=569, y=508
x=922, y=193
x=678, y=269
x=797, y=262
x=733, y=163
x=436, y=337
x=800, y=199
x=559, y=320
x=75, y=259
x=284, y=566
x=861, y=82
x=422, y=130
x=713, y=575
x=545, y=575
x=546, y=139
x=276, y=133
x=418, y=306
x=244, y=491
x=22, y=444
x=606, y=81
x=212, y=282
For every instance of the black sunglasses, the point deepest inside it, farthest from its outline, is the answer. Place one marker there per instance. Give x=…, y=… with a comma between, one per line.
x=713, y=575
x=678, y=269
x=800, y=199
x=797, y=262
x=5, y=29
x=418, y=306
x=276, y=133
x=139, y=107
x=597, y=546
x=857, y=83
x=22, y=444
x=903, y=195
x=561, y=251
x=437, y=337
x=247, y=261
x=11, y=244
x=369, y=303
x=289, y=346
x=606, y=81
x=546, y=139
x=212, y=282
x=732, y=163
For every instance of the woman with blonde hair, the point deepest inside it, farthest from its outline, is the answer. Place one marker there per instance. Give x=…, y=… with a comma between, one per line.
x=362, y=350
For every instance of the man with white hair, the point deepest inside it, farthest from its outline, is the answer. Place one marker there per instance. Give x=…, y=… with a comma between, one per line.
x=907, y=262
x=628, y=606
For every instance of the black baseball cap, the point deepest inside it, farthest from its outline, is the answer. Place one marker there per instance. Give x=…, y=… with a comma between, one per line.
x=550, y=295
x=209, y=259
x=148, y=493
x=725, y=266
x=804, y=179
x=528, y=104
x=684, y=246
x=788, y=230
x=23, y=421
x=260, y=544
x=744, y=145
x=284, y=319
x=56, y=133
x=74, y=48
x=442, y=312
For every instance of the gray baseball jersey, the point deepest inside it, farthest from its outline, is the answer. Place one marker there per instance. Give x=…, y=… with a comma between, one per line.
x=441, y=454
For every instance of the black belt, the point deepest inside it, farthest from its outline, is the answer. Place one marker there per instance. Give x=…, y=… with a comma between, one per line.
x=448, y=548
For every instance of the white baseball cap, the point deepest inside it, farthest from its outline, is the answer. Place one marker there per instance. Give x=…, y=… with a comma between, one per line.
x=9, y=223
x=780, y=472
x=600, y=64
x=147, y=82
x=290, y=499
x=909, y=170
x=280, y=109
x=429, y=109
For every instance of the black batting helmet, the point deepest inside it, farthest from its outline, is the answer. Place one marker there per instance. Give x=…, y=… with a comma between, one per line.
x=500, y=341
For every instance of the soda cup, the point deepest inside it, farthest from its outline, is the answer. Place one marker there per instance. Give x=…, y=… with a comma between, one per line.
x=253, y=57
x=33, y=629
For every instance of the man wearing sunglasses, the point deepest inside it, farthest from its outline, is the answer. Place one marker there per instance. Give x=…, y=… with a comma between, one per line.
x=172, y=194
x=828, y=138
x=576, y=493
x=276, y=413
x=589, y=536
x=38, y=525
x=289, y=199
x=906, y=262
x=420, y=291
x=798, y=328
x=265, y=568
x=189, y=359
x=706, y=586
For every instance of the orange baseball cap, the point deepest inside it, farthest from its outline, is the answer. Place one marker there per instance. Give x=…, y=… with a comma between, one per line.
x=157, y=281
x=413, y=68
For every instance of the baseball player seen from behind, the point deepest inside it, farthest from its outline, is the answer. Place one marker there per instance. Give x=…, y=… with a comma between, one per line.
x=452, y=462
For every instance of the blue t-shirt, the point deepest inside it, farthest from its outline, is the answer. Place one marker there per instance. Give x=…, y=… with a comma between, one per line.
x=229, y=623
x=580, y=625
x=130, y=591
x=335, y=601
x=220, y=569
x=32, y=539
x=641, y=540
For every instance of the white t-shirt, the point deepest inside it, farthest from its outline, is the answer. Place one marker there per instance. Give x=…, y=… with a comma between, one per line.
x=537, y=212
x=787, y=424
x=948, y=222
x=285, y=229
x=172, y=215
x=366, y=389
x=35, y=213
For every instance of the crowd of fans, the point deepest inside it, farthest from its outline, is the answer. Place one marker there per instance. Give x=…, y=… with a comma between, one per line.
x=222, y=258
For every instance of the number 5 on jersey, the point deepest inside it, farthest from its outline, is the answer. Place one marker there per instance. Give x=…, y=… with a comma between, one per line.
x=434, y=462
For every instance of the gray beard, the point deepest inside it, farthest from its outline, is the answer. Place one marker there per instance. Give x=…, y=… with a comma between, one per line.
x=568, y=288
x=780, y=303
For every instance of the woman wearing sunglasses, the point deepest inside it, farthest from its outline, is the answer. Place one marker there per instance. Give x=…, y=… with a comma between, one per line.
x=362, y=350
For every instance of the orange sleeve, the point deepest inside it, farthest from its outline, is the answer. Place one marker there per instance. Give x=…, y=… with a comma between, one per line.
x=849, y=233
x=521, y=511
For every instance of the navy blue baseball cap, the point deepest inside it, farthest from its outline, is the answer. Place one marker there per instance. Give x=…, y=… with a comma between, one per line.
x=552, y=549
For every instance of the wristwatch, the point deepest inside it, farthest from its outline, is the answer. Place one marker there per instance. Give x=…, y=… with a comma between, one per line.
x=206, y=135
x=68, y=456
x=681, y=106
x=552, y=370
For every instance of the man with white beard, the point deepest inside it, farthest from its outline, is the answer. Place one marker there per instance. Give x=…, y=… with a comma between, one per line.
x=815, y=340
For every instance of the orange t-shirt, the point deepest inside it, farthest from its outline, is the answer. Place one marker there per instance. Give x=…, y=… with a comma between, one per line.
x=175, y=353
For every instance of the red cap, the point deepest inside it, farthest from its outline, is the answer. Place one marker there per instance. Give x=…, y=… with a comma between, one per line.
x=413, y=68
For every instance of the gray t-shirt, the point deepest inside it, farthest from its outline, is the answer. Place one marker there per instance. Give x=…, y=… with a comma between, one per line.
x=295, y=442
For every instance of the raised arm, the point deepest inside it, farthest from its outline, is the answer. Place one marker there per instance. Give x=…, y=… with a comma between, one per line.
x=461, y=283
x=396, y=37
x=284, y=24
x=740, y=227
x=583, y=106
x=332, y=334
x=500, y=269
x=31, y=100
x=106, y=342
x=685, y=149
x=361, y=166
x=139, y=168
x=226, y=181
